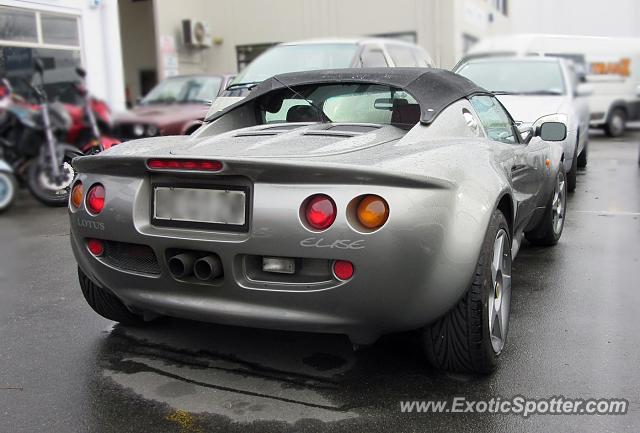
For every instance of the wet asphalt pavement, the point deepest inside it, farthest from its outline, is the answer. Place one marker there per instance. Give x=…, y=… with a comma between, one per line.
x=575, y=331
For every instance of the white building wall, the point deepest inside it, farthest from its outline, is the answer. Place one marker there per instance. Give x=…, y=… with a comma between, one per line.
x=139, y=44
x=577, y=17
x=438, y=24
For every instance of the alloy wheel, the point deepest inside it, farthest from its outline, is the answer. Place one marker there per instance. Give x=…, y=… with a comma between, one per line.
x=617, y=124
x=558, y=205
x=6, y=190
x=58, y=186
x=500, y=295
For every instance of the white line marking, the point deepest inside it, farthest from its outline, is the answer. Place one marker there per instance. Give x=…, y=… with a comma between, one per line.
x=605, y=212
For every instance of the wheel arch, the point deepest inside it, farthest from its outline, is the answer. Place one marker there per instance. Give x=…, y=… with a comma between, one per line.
x=615, y=105
x=505, y=205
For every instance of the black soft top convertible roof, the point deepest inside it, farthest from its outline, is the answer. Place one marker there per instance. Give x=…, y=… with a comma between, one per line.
x=434, y=89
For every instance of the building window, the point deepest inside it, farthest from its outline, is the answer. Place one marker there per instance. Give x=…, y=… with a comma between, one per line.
x=467, y=42
x=26, y=35
x=247, y=53
x=18, y=25
x=500, y=6
x=402, y=36
x=59, y=29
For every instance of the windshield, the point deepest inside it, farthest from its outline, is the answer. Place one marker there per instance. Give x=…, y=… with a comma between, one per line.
x=296, y=58
x=184, y=90
x=520, y=77
x=341, y=103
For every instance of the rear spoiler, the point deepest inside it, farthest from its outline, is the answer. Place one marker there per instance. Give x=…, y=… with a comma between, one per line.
x=266, y=170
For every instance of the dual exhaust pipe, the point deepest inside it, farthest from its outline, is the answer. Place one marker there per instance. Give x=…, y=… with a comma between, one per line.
x=205, y=268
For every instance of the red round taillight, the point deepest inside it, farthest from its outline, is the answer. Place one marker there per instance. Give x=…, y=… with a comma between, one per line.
x=343, y=270
x=95, y=247
x=95, y=199
x=320, y=211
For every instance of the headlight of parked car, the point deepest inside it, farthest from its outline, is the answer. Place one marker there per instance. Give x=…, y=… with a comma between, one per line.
x=138, y=130
x=152, y=130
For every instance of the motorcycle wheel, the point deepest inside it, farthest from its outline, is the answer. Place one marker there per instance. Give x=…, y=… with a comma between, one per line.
x=8, y=189
x=47, y=191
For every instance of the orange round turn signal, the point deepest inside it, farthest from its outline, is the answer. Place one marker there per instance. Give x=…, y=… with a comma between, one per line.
x=76, y=195
x=373, y=211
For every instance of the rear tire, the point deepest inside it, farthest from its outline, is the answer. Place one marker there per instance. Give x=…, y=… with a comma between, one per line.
x=465, y=339
x=105, y=304
x=582, y=158
x=8, y=190
x=549, y=230
x=616, y=124
x=572, y=176
x=37, y=179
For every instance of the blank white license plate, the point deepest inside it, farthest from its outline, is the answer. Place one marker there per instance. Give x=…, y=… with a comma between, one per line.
x=199, y=205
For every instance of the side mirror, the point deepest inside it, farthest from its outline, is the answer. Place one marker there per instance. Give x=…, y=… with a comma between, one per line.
x=552, y=131
x=526, y=132
x=584, y=89
x=81, y=72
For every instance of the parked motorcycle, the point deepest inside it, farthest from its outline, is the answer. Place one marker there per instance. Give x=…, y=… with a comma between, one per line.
x=8, y=186
x=90, y=121
x=7, y=179
x=31, y=144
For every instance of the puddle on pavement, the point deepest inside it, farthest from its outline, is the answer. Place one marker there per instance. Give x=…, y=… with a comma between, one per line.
x=260, y=375
x=244, y=374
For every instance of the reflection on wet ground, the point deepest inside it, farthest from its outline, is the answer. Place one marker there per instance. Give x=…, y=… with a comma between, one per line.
x=249, y=375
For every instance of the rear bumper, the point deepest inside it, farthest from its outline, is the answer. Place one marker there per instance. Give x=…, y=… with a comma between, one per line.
x=407, y=274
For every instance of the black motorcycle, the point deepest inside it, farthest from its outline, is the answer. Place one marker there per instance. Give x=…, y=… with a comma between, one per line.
x=31, y=143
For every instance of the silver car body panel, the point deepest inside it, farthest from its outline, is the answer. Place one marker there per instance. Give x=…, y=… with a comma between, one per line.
x=442, y=183
x=529, y=108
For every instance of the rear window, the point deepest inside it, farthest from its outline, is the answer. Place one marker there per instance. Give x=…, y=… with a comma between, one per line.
x=516, y=76
x=341, y=103
x=296, y=58
x=402, y=56
x=186, y=89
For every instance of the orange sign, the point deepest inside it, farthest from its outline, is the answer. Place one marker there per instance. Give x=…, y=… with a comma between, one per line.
x=622, y=67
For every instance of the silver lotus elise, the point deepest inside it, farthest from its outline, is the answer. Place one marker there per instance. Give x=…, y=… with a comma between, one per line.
x=359, y=202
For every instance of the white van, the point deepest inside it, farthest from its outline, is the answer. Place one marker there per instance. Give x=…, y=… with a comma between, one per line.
x=611, y=65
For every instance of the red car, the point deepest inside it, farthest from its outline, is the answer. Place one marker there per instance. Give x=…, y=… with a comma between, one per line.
x=176, y=106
